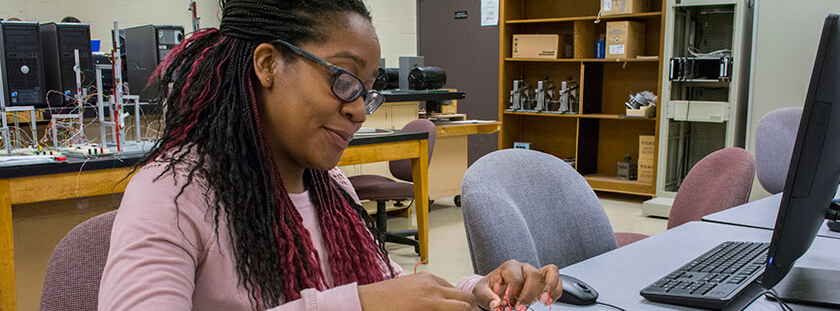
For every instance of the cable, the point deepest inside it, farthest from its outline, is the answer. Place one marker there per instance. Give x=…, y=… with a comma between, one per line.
x=778, y=298
x=609, y=305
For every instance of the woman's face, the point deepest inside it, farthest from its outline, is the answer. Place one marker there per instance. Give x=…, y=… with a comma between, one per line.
x=306, y=125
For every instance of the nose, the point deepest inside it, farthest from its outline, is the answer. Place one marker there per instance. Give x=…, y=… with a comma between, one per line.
x=355, y=110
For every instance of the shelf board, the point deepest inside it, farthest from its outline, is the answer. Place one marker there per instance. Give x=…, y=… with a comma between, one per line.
x=646, y=15
x=614, y=117
x=583, y=60
x=602, y=182
x=541, y=114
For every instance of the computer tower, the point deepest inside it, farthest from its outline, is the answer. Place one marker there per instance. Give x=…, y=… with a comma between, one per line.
x=146, y=46
x=21, y=64
x=59, y=42
x=100, y=58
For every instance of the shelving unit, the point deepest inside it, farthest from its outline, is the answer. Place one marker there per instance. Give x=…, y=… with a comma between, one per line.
x=600, y=134
x=702, y=112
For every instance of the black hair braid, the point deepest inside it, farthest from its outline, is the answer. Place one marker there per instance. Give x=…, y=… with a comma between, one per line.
x=213, y=129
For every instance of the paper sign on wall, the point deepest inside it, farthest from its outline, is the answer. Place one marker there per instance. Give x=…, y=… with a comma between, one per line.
x=489, y=12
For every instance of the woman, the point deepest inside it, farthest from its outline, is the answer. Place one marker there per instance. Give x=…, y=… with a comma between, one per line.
x=240, y=206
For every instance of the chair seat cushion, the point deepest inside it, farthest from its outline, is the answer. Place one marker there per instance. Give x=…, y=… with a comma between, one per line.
x=375, y=187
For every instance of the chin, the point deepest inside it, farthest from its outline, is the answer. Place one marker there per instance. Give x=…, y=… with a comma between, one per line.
x=325, y=164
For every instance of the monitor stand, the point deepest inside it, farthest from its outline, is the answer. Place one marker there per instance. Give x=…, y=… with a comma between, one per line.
x=811, y=286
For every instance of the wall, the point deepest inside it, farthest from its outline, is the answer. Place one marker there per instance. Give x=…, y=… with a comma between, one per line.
x=395, y=20
x=786, y=38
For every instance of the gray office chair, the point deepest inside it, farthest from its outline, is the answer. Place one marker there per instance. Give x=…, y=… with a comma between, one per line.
x=76, y=265
x=774, y=139
x=532, y=207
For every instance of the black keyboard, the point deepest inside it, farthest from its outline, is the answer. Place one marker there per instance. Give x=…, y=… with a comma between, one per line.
x=714, y=279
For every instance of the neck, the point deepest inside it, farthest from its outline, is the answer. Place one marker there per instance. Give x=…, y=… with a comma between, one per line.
x=292, y=177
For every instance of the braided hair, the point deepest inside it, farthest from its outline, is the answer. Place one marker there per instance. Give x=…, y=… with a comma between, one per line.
x=207, y=84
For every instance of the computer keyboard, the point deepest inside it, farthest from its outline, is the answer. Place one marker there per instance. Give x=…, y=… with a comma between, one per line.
x=714, y=279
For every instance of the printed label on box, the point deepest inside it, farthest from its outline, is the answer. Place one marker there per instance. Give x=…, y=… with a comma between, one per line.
x=607, y=5
x=617, y=49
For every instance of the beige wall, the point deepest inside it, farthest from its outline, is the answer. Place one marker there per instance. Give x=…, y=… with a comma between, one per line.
x=786, y=39
x=395, y=20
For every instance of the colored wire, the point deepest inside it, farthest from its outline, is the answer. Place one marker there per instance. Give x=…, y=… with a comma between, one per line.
x=415, y=266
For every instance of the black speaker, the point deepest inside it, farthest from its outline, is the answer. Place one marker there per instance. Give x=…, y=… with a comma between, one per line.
x=145, y=47
x=59, y=42
x=21, y=64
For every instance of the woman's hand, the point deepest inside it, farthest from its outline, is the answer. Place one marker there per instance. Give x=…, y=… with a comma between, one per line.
x=521, y=283
x=419, y=291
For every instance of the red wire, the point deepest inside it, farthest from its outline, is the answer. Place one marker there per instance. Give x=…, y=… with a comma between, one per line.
x=415, y=266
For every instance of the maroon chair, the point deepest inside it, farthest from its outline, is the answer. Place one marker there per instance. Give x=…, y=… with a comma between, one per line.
x=383, y=189
x=721, y=180
x=76, y=265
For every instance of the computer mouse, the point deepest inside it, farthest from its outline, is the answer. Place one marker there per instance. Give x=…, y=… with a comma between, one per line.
x=577, y=292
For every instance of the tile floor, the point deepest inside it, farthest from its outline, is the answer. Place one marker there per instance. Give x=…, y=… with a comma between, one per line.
x=38, y=227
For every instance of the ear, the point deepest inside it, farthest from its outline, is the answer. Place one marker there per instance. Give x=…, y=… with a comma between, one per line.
x=267, y=62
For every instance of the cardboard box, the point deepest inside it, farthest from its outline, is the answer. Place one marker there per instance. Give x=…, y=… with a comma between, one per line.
x=645, y=171
x=538, y=46
x=645, y=111
x=647, y=145
x=614, y=7
x=625, y=39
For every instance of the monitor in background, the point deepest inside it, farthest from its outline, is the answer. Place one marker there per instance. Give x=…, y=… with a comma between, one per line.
x=812, y=180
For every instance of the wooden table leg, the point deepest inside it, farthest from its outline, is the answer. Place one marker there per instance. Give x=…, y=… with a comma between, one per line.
x=7, y=251
x=420, y=175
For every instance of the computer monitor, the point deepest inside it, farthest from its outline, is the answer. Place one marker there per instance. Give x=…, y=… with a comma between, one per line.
x=812, y=178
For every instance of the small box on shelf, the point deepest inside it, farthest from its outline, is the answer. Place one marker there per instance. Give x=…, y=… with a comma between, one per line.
x=627, y=169
x=646, y=147
x=538, y=46
x=625, y=39
x=522, y=145
x=645, y=171
x=614, y=7
x=643, y=112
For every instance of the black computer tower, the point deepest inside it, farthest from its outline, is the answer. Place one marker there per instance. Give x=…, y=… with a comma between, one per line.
x=59, y=42
x=147, y=46
x=100, y=58
x=21, y=64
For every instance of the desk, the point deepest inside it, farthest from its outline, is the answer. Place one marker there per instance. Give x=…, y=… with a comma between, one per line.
x=759, y=214
x=618, y=275
x=78, y=178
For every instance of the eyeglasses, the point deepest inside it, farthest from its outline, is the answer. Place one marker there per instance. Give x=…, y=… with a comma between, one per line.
x=345, y=85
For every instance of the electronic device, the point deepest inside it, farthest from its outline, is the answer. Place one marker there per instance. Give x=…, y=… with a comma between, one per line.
x=21, y=64
x=701, y=69
x=59, y=42
x=387, y=79
x=426, y=78
x=146, y=47
x=812, y=180
x=577, y=292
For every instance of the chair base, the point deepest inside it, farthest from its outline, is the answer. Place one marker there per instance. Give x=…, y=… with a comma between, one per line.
x=400, y=237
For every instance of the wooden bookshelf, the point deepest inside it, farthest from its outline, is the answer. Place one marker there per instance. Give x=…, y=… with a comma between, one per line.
x=600, y=135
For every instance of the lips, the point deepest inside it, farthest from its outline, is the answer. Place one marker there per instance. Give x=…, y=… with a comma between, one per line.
x=340, y=138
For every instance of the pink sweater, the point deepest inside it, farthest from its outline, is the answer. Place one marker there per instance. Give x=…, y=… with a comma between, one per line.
x=161, y=259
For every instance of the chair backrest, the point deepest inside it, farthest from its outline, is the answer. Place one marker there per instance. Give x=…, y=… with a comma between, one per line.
x=532, y=207
x=76, y=265
x=402, y=168
x=721, y=180
x=774, y=140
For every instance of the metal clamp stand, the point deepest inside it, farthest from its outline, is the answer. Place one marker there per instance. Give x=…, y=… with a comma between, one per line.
x=520, y=95
x=544, y=94
x=81, y=95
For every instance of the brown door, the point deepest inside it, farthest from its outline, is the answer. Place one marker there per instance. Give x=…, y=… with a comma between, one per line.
x=469, y=53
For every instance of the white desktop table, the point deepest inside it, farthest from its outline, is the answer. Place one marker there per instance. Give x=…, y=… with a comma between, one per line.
x=760, y=214
x=619, y=275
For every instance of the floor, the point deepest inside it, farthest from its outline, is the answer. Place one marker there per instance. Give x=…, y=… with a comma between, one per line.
x=38, y=227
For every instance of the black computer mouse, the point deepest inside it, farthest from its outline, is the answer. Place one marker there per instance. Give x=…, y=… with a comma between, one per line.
x=577, y=292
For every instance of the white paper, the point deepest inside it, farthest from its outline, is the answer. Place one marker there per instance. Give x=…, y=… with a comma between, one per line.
x=607, y=5
x=617, y=49
x=489, y=12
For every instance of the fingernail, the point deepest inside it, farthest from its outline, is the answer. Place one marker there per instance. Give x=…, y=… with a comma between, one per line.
x=545, y=299
x=494, y=304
